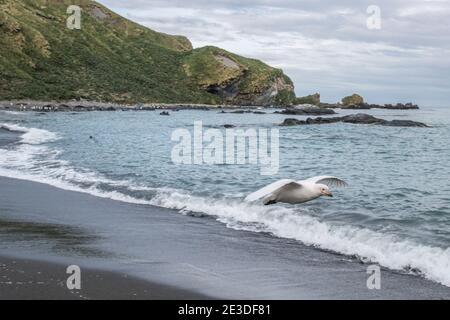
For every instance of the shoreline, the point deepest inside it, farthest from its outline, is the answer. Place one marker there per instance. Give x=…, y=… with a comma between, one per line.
x=86, y=106
x=198, y=255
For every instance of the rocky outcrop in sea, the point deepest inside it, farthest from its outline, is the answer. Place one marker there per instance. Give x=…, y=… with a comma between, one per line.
x=306, y=110
x=360, y=118
x=366, y=106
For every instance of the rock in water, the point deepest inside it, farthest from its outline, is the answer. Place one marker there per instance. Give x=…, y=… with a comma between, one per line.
x=306, y=111
x=313, y=99
x=403, y=123
x=292, y=122
x=360, y=118
x=354, y=99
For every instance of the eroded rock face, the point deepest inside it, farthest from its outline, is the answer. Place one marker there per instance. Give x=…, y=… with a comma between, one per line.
x=360, y=118
x=277, y=92
x=233, y=80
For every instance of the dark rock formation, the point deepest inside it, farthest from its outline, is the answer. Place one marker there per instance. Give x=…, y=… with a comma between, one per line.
x=360, y=118
x=306, y=111
x=404, y=123
x=164, y=113
x=362, y=106
x=242, y=112
x=399, y=106
x=239, y=111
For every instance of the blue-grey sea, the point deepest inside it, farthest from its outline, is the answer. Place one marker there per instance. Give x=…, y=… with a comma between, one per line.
x=395, y=211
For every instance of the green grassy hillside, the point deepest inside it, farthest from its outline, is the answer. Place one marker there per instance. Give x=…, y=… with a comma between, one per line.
x=115, y=60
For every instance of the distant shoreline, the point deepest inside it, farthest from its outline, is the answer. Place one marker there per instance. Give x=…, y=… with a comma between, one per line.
x=74, y=106
x=85, y=106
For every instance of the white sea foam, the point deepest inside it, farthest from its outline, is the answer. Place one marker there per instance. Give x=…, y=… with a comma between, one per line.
x=34, y=161
x=13, y=127
x=14, y=112
x=385, y=249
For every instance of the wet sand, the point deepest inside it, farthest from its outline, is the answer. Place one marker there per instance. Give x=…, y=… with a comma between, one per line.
x=190, y=256
x=29, y=279
x=25, y=279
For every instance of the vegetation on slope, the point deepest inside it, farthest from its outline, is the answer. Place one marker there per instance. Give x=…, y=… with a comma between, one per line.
x=114, y=59
x=313, y=99
x=354, y=99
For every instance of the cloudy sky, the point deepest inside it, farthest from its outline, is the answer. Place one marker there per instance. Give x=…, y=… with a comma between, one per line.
x=324, y=46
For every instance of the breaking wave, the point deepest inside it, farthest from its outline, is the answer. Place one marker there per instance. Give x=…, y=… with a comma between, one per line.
x=32, y=160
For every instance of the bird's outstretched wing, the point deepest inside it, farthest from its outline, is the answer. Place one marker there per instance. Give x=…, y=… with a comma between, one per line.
x=271, y=188
x=328, y=180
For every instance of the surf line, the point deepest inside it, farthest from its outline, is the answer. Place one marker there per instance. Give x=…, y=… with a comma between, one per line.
x=234, y=147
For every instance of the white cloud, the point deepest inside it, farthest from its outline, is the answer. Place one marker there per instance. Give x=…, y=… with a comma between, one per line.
x=323, y=45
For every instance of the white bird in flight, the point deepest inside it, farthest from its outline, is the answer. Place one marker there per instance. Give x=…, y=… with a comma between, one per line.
x=295, y=192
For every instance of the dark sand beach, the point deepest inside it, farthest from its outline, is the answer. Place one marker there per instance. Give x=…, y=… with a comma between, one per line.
x=22, y=278
x=198, y=256
x=26, y=279
x=36, y=278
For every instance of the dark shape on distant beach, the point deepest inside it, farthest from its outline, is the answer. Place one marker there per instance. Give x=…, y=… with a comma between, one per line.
x=229, y=126
x=360, y=118
x=164, y=113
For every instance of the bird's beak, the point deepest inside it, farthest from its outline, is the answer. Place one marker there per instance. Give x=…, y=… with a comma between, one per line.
x=328, y=194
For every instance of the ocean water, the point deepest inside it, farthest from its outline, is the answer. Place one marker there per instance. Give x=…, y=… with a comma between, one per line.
x=395, y=212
